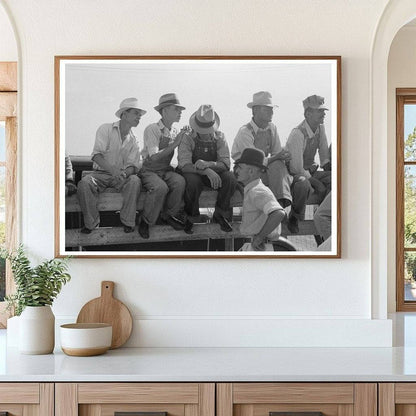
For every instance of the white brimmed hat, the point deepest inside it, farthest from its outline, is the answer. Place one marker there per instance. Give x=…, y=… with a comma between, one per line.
x=205, y=120
x=262, y=98
x=128, y=103
x=168, y=99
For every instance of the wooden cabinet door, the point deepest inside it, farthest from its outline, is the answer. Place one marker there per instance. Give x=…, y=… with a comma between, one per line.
x=297, y=399
x=152, y=399
x=27, y=399
x=397, y=399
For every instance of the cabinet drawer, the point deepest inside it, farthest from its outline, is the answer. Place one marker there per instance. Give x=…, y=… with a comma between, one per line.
x=397, y=399
x=106, y=399
x=21, y=399
x=296, y=399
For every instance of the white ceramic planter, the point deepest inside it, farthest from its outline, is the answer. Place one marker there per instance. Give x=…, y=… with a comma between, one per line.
x=37, y=330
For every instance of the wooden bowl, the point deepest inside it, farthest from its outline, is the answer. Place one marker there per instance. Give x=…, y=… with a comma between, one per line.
x=84, y=340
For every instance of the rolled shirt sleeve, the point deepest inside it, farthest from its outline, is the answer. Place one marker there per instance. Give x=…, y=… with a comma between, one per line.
x=244, y=139
x=185, y=150
x=151, y=138
x=223, y=152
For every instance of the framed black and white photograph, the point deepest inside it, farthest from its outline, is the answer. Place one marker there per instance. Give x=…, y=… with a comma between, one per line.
x=198, y=156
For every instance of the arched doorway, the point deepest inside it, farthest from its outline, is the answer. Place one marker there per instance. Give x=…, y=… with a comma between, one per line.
x=396, y=14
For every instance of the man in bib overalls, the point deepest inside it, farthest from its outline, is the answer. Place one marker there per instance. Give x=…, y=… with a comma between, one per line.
x=204, y=159
x=261, y=133
x=165, y=187
x=303, y=143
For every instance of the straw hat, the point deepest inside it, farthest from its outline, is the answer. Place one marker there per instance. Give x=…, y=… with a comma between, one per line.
x=205, y=120
x=128, y=103
x=262, y=98
x=168, y=99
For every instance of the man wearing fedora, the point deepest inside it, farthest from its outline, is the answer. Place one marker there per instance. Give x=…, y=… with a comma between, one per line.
x=303, y=143
x=165, y=187
x=262, y=214
x=261, y=133
x=116, y=161
x=204, y=159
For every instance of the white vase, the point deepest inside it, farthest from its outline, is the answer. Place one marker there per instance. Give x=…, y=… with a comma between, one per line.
x=37, y=330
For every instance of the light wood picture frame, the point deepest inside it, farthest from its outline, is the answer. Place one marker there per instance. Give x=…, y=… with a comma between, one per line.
x=89, y=91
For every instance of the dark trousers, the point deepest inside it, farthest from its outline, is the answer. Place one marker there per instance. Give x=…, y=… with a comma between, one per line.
x=194, y=185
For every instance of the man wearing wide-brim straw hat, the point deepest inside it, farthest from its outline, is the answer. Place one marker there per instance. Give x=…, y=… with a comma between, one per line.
x=165, y=186
x=116, y=159
x=204, y=159
x=261, y=133
x=262, y=214
x=303, y=143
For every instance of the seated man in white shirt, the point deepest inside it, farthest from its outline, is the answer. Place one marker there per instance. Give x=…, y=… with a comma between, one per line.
x=262, y=214
x=116, y=162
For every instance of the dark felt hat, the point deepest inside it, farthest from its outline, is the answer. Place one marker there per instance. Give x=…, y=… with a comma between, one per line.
x=253, y=157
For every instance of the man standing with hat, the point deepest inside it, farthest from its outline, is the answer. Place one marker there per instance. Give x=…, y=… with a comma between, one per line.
x=262, y=214
x=204, y=159
x=303, y=143
x=261, y=133
x=116, y=161
x=165, y=187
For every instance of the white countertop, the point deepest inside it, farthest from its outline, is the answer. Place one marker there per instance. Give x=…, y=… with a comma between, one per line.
x=213, y=364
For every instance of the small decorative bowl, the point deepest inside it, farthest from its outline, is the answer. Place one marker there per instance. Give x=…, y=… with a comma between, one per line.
x=84, y=340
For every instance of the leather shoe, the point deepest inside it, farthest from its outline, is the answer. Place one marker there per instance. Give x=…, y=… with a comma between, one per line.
x=175, y=223
x=128, y=229
x=86, y=230
x=144, y=229
x=293, y=224
x=188, y=227
x=224, y=223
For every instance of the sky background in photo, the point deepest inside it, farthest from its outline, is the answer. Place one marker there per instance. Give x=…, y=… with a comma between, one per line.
x=94, y=90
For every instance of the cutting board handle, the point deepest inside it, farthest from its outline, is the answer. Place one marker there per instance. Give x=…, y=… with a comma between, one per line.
x=107, y=288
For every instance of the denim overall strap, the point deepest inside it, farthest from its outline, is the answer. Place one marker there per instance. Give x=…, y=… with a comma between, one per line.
x=262, y=139
x=204, y=150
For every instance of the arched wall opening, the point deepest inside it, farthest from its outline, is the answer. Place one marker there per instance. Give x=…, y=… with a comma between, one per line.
x=396, y=14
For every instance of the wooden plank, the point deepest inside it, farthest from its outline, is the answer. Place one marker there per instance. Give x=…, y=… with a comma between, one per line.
x=191, y=410
x=293, y=393
x=365, y=403
x=8, y=105
x=27, y=393
x=207, y=399
x=345, y=410
x=112, y=201
x=66, y=399
x=47, y=399
x=386, y=399
x=224, y=399
x=115, y=235
x=138, y=393
x=405, y=393
x=8, y=76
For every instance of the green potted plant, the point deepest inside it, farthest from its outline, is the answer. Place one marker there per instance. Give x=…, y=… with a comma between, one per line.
x=36, y=289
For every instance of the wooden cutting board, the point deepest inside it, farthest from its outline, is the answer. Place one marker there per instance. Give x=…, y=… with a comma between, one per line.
x=107, y=309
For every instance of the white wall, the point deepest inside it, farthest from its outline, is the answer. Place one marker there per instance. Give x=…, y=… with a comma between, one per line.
x=401, y=74
x=8, y=47
x=179, y=302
